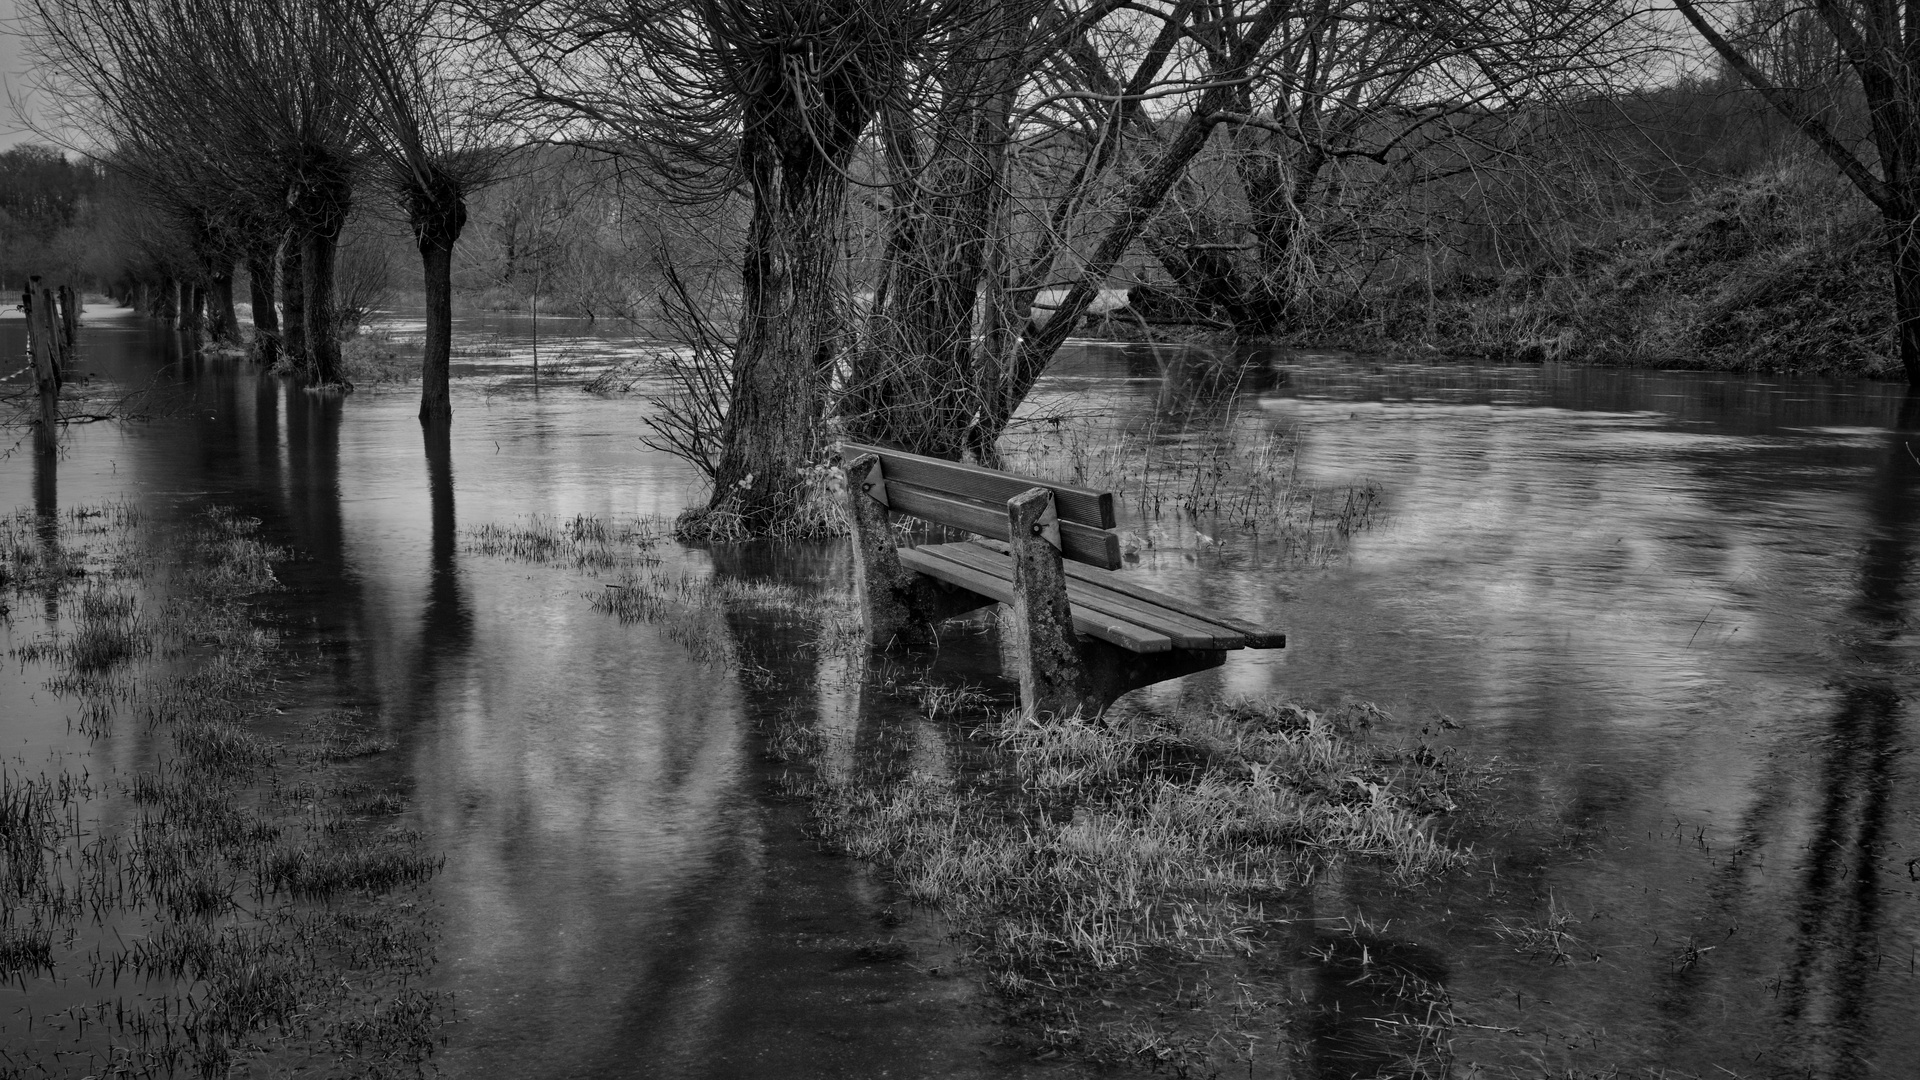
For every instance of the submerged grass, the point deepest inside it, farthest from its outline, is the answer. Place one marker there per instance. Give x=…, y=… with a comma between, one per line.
x=236, y=909
x=1131, y=886
x=1233, y=479
x=1136, y=888
x=582, y=541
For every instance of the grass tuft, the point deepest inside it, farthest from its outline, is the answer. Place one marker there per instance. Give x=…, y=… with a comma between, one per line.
x=584, y=542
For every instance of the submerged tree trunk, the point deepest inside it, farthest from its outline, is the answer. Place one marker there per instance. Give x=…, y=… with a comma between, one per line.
x=193, y=305
x=266, y=321
x=317, y=253
x=223, y=324
x=439, y=214
x=789, y=338
x=799, y=142
x=293, y=303
x=321, y=199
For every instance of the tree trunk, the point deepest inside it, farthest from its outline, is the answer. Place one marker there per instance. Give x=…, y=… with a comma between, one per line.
x=1906, y=292
x=1037, y=347
x=1277, y=187
x=317, y=252
x=791, y=323
x=193, y=306
x=439, y=214
x=293, y=303
x=789, y=338
x=266, y=321
x=915, y=382
x=318, y=206
x=223, y=323
x=171, y=302
x=1141, y=199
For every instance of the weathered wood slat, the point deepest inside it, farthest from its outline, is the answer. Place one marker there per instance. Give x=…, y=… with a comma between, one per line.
x=998, y=583
x=1078, y=542
x=1076, y=504
x=1185, y=631
x=1257, y=637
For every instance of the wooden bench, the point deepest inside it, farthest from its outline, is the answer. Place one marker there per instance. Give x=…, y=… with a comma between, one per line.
x=1077, y=634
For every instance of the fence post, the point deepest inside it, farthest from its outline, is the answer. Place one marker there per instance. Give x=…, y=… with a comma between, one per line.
x=43, y=343
x=69, y=319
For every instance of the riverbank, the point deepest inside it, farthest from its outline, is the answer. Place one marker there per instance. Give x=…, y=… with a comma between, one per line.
x=1780, y=273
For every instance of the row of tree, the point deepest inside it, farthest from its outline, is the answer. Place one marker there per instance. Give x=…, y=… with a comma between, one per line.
x=1000, y=152
x=250, y=124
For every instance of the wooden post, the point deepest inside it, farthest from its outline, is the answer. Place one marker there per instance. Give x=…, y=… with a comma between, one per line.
x=43, y=344
x=1045, y=650
x=898, y=604
x=69, y=320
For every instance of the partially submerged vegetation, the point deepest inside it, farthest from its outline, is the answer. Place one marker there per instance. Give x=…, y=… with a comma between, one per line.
x=583, y=541
x=1177, y=488
x=1135, y=889
x=236, y=898
x=1131, y=887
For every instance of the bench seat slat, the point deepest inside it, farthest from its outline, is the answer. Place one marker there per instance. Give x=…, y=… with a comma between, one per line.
x=1185, y=630
x=1257, y=637
x=997, y=582
x=1080, y=543
x=1076, y=504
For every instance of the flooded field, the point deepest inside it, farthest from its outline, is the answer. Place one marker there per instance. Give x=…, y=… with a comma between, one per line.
x=1667, y=615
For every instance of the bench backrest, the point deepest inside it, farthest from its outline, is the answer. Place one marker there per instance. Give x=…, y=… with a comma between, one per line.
x=974, y=499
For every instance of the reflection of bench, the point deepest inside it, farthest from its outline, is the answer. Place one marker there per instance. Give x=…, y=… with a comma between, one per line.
x=1078, y=634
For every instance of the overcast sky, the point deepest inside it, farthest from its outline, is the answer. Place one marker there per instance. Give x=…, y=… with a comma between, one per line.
x=11, y=68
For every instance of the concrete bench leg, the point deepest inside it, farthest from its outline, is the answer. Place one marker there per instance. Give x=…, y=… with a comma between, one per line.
x=898, y=604
x=1062, y=672
x=1039, y=636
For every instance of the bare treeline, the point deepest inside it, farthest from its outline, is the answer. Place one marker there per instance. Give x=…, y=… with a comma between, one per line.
x=252, y=125
x=932, y=192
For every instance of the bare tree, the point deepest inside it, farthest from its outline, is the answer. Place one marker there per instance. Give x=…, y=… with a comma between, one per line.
x=265, y=96
x=1116, y=105
x=432, y=146
x=915, y=380
x=770, y=95
x=1878, y=45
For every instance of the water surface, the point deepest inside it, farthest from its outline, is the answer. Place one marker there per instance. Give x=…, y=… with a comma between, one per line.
x=1674, y=607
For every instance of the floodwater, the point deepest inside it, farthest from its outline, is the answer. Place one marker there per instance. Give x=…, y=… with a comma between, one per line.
x=1675, y=609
